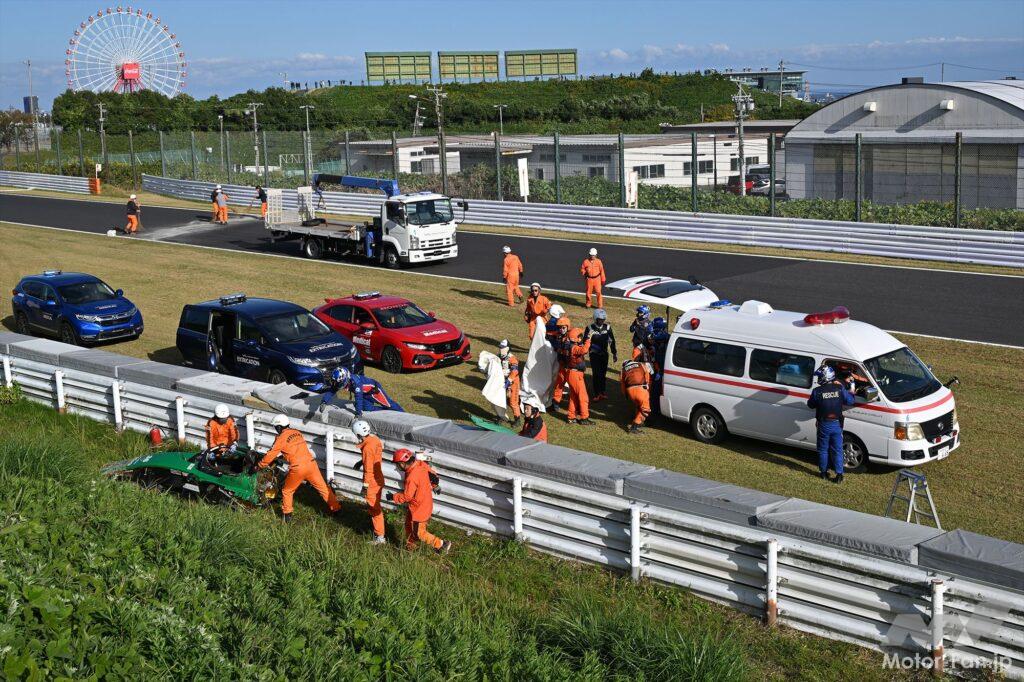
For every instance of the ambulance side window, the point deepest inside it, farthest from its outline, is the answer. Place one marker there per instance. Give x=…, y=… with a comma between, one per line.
x=786, y=369
x=707, y=356
x=846, y=370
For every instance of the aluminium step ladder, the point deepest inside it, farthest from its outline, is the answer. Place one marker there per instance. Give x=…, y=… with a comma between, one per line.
x=917, y=484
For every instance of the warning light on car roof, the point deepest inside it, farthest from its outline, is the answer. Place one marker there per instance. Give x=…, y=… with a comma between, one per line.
x=694, y=323
x=834, y=316
x=231, y=299
x=721, y=303
x=367, y=294
x=51, y=273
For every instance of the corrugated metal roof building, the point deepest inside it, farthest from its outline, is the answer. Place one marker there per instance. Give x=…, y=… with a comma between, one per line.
x=908, y=134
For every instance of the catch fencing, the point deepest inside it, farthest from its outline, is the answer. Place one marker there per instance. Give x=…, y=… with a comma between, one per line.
x=587, y=508
x=947, y=244
x=59, y=183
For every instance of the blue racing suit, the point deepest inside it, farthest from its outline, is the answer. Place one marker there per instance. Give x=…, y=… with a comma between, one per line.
x=658, y=342
x=828, y=401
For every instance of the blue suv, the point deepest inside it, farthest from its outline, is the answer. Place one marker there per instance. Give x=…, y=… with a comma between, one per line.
x=262, y=339
x=75, y=307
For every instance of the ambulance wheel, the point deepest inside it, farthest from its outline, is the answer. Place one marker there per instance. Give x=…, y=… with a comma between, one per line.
x=391, y=360
x=855, y=455
x=276, y=376
x=313, y=248
x=391, y=259
x=708, y=426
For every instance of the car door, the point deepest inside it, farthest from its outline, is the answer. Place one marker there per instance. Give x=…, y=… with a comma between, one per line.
x=191, y=337
x=33, y=302
x=49, y=312
x=220, y=341
x=248, y=350
x=340, y=320
x=366, y=340
x=778, y=406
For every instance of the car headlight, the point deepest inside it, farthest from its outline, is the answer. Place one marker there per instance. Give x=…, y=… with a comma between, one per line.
x=414, y=242
x=956, y=417
x=87, y=318
x=416, y=346
x=453, y=237
x=908, y=431
x=131, y=312
x=305, y=362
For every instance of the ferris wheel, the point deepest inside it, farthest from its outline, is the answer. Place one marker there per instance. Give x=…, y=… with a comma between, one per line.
x=125, y=50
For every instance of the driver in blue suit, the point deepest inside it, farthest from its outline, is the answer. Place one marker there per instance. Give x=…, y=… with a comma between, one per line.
x=367, y=394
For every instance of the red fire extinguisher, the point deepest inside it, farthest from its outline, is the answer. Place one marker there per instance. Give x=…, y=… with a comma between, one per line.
x=156, y=436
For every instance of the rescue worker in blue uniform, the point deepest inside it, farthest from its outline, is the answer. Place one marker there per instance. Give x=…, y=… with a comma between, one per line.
x=602, y=341
x=827, y=400
x=367, y=394
x=657, y=345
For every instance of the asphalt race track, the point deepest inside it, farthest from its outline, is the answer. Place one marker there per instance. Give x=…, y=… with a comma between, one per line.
x=974, y=307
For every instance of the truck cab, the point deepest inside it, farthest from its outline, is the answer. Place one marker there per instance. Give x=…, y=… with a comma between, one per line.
x=418, y=228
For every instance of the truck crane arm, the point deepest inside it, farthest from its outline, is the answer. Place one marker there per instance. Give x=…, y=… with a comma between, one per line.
x=389, y=187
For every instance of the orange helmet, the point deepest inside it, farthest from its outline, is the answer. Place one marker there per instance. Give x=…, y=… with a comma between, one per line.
x=403, y=455
x=576, y=335
x=562, y=322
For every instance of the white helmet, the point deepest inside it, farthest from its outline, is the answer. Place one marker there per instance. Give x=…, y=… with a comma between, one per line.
x=360, y=428
x=221, y=411
x=506, y=249
x=217, y=187
x=535, y=285
x=503, y=349
x=557, y=311
x=593, y=252
x=281, y=420
x=131, y=196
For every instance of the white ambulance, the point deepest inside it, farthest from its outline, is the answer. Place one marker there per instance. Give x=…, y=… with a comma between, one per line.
x=748, y=370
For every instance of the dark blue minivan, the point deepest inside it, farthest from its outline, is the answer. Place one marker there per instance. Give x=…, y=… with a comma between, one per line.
x=262, y=339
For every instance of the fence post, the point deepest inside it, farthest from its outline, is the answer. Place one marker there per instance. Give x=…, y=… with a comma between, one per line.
x=81, y=153
x=60, y=163
x=305, y=157
x=227, y=152
x=266, y=161
x=634, y=541
x=115, y=391
x=693, y=172
x=250, y=430
x=179, y=418
x=329, y=456
x=858, y=184
x=348, y=158
x=517, y=509
x=8, y=378
x=497, y=164
x=558, y=169
x=131, y=154
x=771, y=175
x=192, y=143
x=622, y=170
x=394, y=155
x=771, y=613
x=58, y=390
x=938, y=625
x=163, y=161
x=958, y=176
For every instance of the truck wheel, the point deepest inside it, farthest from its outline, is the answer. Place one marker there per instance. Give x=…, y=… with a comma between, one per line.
x=855, y=455
x=391, y=359
x=276, y=376
x=313, y=248
x=21, y=324
x=391, y=259
x=708, y=426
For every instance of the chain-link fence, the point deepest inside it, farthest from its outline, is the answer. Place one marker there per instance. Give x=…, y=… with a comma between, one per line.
x=901, y=183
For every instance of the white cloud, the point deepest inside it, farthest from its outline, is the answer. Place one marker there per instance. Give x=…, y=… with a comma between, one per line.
x=652, y=52
x=618, y=54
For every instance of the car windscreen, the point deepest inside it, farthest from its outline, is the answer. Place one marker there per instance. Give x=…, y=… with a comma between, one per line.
x=401, y=316
x=429, y=212
x=902, y=376
x=668, y=289
x=294, y=326
x=86, y=292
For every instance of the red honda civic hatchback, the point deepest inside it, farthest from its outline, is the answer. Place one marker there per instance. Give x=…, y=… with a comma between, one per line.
x=394, y=332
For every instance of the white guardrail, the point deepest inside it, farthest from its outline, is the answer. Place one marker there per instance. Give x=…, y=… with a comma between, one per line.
x=988, y=247
x=581, y=507
x=59, y=183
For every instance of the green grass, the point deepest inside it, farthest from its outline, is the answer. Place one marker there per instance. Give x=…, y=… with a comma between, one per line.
x=102, y=579
x=970, y=487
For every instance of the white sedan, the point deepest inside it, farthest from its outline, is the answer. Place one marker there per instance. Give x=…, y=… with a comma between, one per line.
x=677, y=294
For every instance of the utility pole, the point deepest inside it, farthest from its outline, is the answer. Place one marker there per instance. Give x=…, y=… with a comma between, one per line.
x=103, y=137
x=782, y=70
x=417, y=120
x=307, y=152
x=34, y=110
x=744, y=105
x=501, y=118
x=220, y=120
x=255, y=135
x=439, y=95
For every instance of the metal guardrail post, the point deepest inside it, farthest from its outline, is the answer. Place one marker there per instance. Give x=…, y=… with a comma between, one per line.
x=250, y=430
x=858, y=178
x=938, y=627
x=192, y=143
x=958, y=176
x=131, y=154
x=558, y=169
x=55, y=137
x=394, y=155
x=266, y=161
x=634, y=541
x=115, y=391
x=622, y=171
x=8, y=378
x=81, y=154
x=517, y=509
x=329, y=455
x=179, y=418
x=771, y=175
x=163, y=161
x=771, y=607
x=693, y=172
x=497, y=165
x=58, y=391
x=348, y=157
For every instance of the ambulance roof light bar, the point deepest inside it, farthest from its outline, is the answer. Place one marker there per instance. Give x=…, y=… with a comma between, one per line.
x=837, y=315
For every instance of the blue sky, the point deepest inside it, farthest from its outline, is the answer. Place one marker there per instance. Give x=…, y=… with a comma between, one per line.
x=235, y=45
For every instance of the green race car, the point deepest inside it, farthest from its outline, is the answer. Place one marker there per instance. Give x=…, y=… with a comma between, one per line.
x=225, y=477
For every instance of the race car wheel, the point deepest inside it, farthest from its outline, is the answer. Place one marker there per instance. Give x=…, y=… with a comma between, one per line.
x=21, y=324
x=67, y=334
x=391, y=359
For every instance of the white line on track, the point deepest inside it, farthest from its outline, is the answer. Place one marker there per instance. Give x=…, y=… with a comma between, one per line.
x=431, y=274
x=583, y=236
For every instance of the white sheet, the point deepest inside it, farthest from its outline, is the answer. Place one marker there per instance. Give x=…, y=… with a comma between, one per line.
x=541, y=367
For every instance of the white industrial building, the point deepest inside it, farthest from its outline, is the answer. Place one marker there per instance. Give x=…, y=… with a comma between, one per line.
x=908, y=133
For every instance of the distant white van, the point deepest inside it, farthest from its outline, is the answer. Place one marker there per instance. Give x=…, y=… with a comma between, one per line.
x=748, y=369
